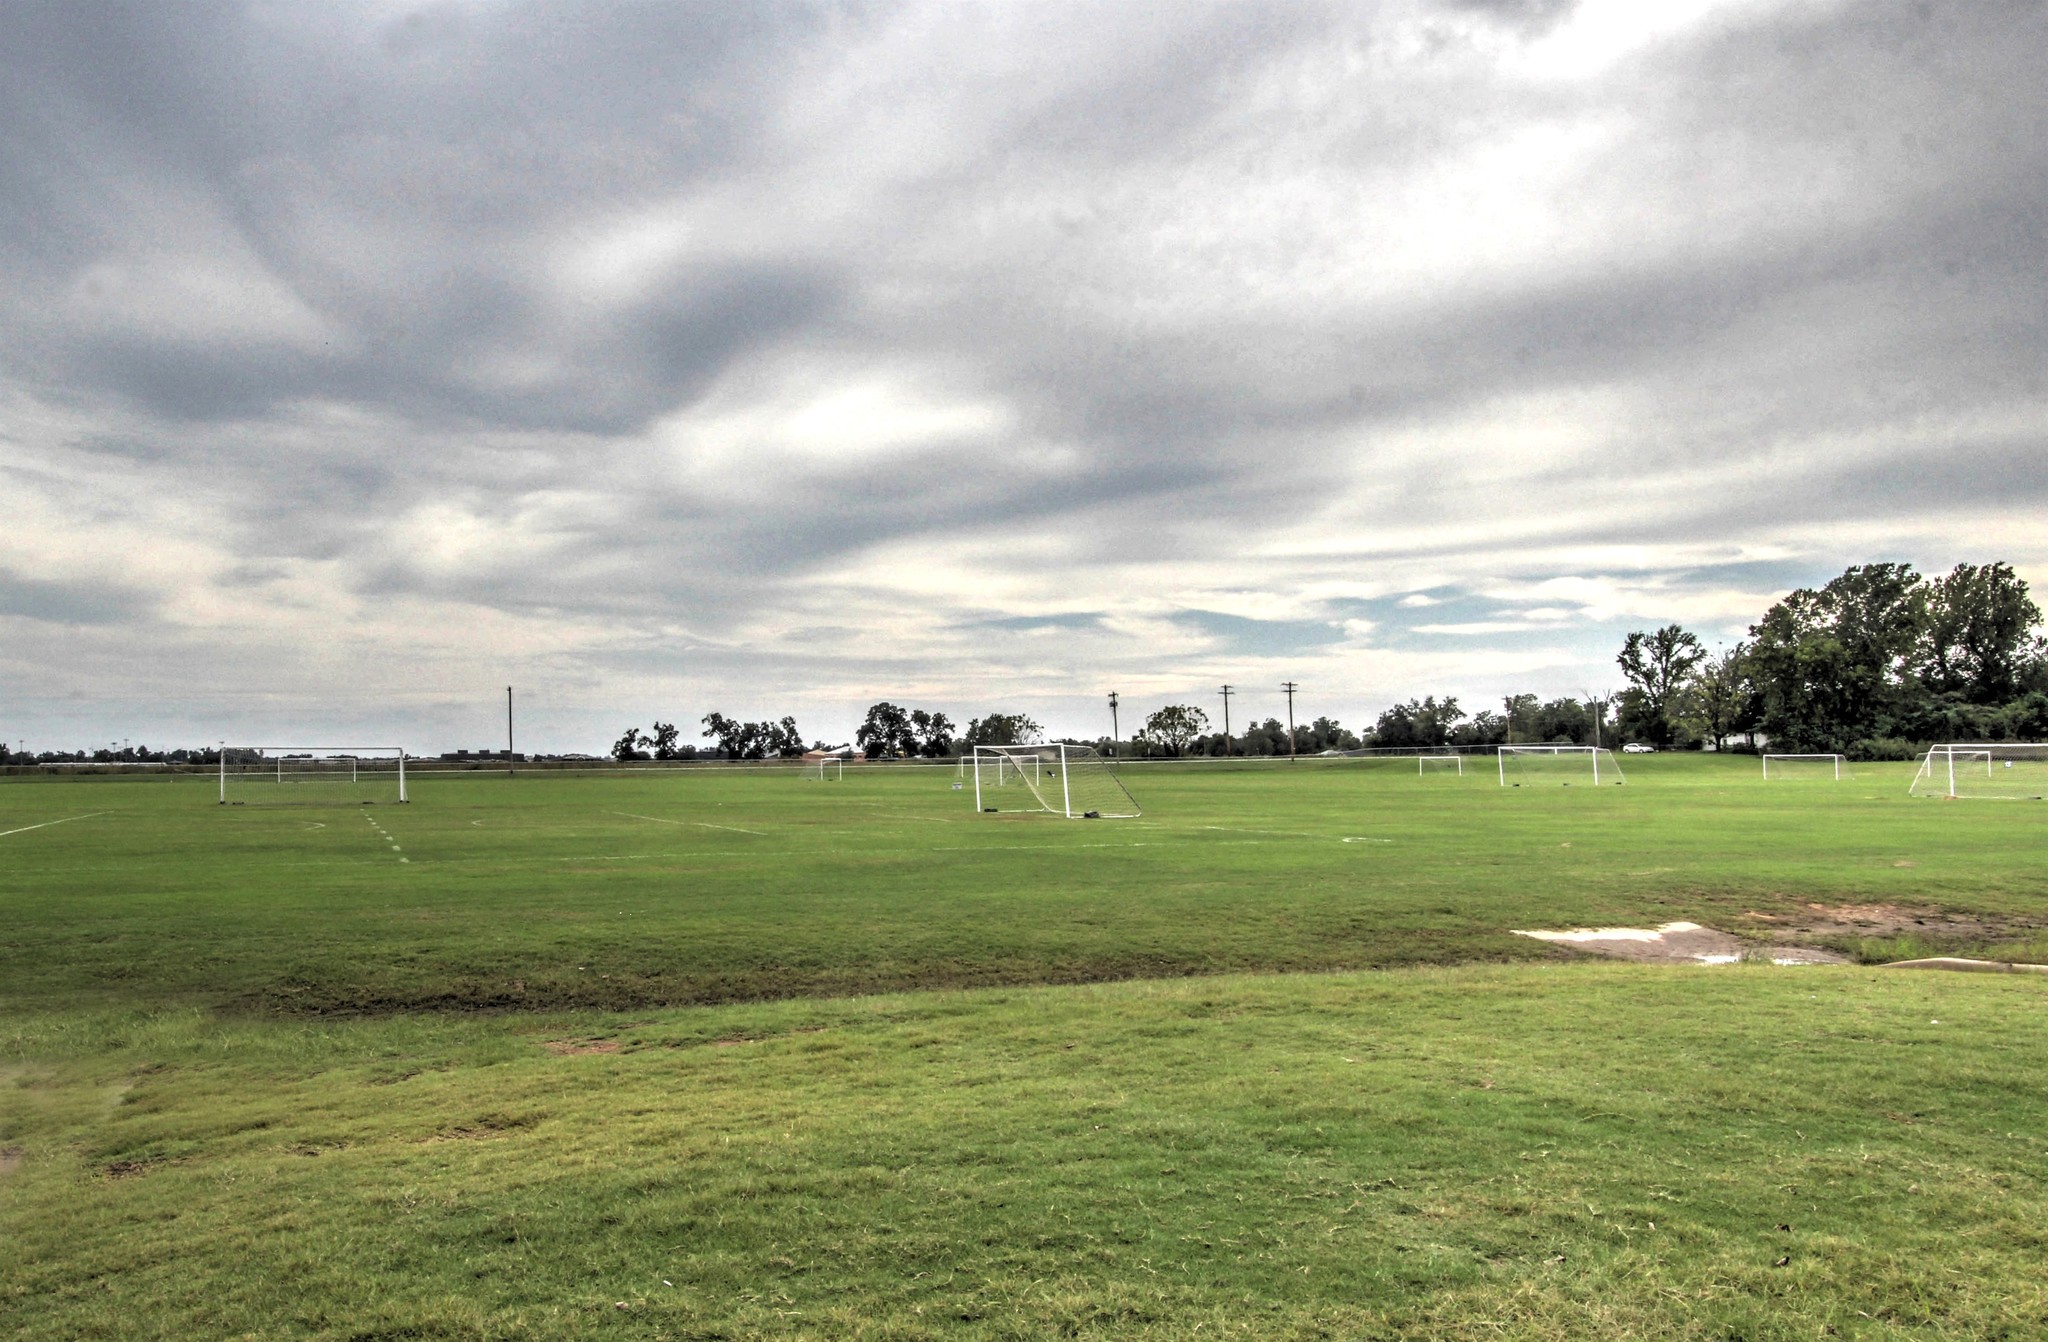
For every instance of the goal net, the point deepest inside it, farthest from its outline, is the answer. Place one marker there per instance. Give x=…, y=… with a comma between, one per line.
x=1807, y=768
x=1070, y=781
x=2012, y=770
x=1539, y=766
x=311, y=775
x=831, y=769
x=1425, y=765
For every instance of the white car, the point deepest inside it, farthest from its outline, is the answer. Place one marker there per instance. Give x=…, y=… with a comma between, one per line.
x=1638, y=748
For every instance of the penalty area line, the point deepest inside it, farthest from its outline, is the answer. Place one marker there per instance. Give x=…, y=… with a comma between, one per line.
x=700, y=824
x=47, y=823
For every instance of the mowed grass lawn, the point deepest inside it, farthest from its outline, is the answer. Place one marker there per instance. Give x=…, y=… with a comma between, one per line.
x=238, y=1098
x=714, y=886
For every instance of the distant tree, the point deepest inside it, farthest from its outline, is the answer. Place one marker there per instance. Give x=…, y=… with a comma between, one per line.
x=1977, y=640
x=629, y=746
x=1831, y=665
x=1175, y=726
x=1002, y=729
x=1720, y=698
x=784, y=739
x=664, y=741
x=931, y=733
x=1484, y=728
x=1657, y=666
x=1417, y=723
x=886, y=731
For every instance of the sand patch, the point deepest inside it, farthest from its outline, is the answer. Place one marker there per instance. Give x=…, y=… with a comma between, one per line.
x=1679, y=944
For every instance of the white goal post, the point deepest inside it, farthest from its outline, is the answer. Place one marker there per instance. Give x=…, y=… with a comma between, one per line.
x=1066, y=780
x=1788, y=765
x=1422, y=763
x=830, y=769
x=314, y=772
x=2011, y=770
x=1558, y=764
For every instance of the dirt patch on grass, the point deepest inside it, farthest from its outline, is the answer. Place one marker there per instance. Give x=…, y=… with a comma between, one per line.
x=10, y=1160
x=1880, y=933
x=1680, y=943
x=1884, y=920
x=574, y=1047
x=485, y=1127
x=129, y=1169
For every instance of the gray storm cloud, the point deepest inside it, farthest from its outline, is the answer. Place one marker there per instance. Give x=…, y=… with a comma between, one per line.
x=668, y=358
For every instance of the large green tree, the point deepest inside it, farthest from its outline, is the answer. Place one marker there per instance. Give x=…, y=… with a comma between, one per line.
x=1832, y=666
x=1174, y=726
x=1721, y=698
x=1656, y=665
x=1976, y=639
x=1419, y=722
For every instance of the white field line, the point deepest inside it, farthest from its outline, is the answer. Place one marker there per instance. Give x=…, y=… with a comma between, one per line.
x=47, y=823
x=700, y=824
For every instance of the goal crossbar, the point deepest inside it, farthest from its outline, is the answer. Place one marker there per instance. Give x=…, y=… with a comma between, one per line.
x=1066, y=780
x=2008, y=769
x=1835, y=760
x=275, y=759
x=1595, y=754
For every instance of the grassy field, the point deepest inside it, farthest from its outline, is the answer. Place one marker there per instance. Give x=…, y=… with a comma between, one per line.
x=733, y=1054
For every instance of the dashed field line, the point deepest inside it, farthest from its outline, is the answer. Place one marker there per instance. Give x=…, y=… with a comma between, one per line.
x=47, y=823
x=700, y=824
x=388, y=839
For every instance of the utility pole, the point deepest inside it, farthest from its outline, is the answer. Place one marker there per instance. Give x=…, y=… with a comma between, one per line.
x=508, y=731
x=1508, y=703
x=1112, y=722
x=1287, y=687
x=1226, y=721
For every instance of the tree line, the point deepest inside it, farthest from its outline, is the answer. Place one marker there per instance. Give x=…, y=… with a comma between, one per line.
x=889, y=731
x=1876, y=664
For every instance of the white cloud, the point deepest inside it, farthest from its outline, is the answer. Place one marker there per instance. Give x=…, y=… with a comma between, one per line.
x=1004, y=354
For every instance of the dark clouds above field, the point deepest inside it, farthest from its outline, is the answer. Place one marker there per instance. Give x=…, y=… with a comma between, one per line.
x=664, y=358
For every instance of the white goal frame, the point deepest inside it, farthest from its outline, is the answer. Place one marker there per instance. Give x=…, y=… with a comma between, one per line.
x=316, y=752
x=1421, y=760
x=831, y=769
x=1030, y=764
x=1837, y=759
x=1593, y=752
x=1940, y=768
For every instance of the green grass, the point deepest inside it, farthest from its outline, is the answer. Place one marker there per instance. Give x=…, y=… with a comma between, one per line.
x=242, y=1092
x=536, y=893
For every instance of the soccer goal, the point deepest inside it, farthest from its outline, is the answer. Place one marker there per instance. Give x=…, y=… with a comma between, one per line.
x=312, y=775
x=1426, y=765
x=1792, y=768
x=831, y=769
x=1070, y=781
x=2012, y=770
x=1558, y=766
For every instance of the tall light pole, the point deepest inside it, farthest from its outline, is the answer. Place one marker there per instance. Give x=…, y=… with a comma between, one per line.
x=1113, y=734
x=508, y=730
x=1287, y=687
x=1226, y=721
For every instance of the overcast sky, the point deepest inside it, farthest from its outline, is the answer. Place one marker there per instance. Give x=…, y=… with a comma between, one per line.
x=358, y=360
